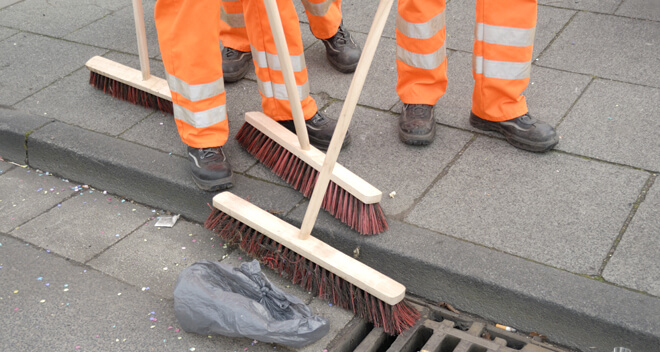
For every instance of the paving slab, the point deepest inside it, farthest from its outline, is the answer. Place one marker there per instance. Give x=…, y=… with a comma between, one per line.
x=85, y=225
x=616, y=122
x=550, y=93
x=56, y=18
x=6, y=32
x=84, y=309
x=533, y=206
x=5, y=3
x=117, y=31
x=460, y=25
x=26, y=193
x=646, y=9
x=359, y=15
x=377, y=142
x=29, y=62
x=76, y=102
x=379, y=89
x=637, y=251
x=589, y=38
x=603, y=6
x=14, y=128
x=161, y=253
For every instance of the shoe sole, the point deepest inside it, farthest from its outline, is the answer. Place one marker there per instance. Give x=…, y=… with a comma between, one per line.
x=417, y=139
x=323, y=145
x=537, y=147
x=342, y=68
x=215, y=185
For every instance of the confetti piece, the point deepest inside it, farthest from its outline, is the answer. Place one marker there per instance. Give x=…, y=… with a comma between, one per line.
x=40, y=278
x=15, y=309
x=42, y=301
x=16, y=291
x=119, y=294
x=165, y=268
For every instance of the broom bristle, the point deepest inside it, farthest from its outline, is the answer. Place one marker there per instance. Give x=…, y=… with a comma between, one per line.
x=312, y=277
x=367, y=219
x=128, y=93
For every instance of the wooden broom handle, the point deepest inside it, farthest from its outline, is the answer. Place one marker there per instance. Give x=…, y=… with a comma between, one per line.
x=138, y=16
x=345, y=117
x=287, y=71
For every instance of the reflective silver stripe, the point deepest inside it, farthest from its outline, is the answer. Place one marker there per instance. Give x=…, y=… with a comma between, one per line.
x=317, y=9
x=234, y=20
x=272, y=61
x=195, y=92
x=501, y=69
x=201, y=119
x=510, y=36
x=278, y=91
x=424, y=61
x=424, y=30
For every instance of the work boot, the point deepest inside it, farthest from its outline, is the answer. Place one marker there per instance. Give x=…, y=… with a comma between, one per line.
x=319, y=129
x=210, y=168
x=342, y=52
x=235, y=64
x=417, y=124
x=524, y=132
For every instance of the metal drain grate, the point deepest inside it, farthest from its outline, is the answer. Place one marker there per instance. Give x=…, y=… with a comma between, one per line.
x=439, y=330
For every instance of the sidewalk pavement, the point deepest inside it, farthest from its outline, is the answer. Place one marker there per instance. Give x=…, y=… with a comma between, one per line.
x=563, y=243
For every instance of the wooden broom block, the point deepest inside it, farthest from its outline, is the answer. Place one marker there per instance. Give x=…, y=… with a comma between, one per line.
x=346, y=267
x=130, y=76
x=313, y=157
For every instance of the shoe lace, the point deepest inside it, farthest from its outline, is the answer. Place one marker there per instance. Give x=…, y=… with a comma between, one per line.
x=318, y=119
x=207, y=153
x=418, y=109
x=231, y=53
x=341, y=36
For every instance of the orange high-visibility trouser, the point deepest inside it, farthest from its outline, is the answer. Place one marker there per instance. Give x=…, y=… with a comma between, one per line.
x=324, y=19
x=188, y=34
x=501, y=57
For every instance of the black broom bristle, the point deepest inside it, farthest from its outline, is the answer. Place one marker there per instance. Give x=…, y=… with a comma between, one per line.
x=311, y=277
x=367, y=219
x=128, y=93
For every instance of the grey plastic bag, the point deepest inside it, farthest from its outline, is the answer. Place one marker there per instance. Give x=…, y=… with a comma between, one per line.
x=216, y=298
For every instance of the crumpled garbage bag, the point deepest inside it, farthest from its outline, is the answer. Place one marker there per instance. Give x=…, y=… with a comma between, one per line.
x=215, y=298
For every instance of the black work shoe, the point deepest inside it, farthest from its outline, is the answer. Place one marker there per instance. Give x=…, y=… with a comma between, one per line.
x=524, y=132
x=342, y=52
x=235, y=64
x=417, y=124
x=210, y=168
x=319, y=129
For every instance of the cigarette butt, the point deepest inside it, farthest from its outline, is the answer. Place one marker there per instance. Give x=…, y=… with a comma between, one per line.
x=504, y=327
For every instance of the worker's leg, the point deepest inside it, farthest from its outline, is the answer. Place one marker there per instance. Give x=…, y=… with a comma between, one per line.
x=421, y=66
x=270, y=79
x=188, y=37
x=501, y=66
x=236, y=55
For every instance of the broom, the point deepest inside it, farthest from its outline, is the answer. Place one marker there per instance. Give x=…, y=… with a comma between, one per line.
x=307, y=261
x=129, y=84
x=349, y=198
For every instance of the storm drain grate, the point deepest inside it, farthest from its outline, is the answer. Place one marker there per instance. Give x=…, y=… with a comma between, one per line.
x=439, y=330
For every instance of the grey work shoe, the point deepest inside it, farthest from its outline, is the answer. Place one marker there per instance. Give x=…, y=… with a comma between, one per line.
x=210, y=168
x=342, y=52
x=417, y=124
x=319, y=129
x=235, y=64
x=524, y=132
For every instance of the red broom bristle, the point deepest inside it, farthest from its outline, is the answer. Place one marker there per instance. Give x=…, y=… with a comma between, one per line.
x=367, y=219
x=128, y=93
x=312, y=277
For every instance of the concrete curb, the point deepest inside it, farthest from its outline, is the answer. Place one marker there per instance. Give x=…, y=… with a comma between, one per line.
x=571, y=310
